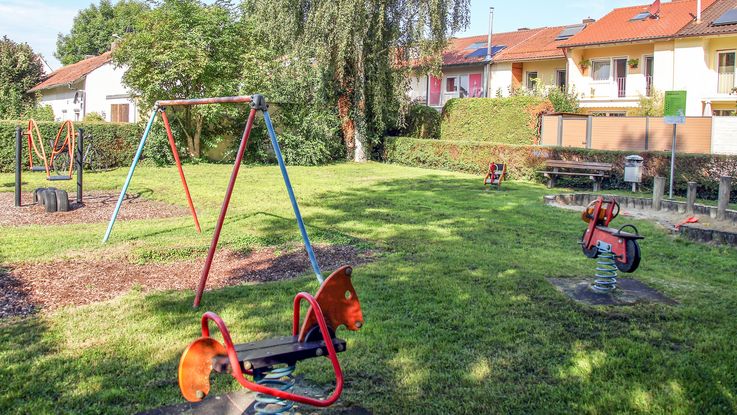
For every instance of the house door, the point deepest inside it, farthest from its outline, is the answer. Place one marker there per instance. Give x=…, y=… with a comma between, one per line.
x=620, y=76
x=477, y=85
x=649, y=70
x=435, y=84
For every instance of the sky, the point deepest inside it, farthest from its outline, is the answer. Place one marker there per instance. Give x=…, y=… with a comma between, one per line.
x=38, y=22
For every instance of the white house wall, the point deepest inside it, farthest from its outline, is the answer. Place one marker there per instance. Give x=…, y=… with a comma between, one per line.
x=501, y=79
x=61, y=100
x=724, y=135
x=692, y=73
x=104, y=87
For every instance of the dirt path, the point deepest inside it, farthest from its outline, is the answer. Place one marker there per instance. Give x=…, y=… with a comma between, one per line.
x=29, y=287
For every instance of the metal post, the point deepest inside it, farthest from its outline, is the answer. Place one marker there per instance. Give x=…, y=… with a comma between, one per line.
x=647, y=133
x=178, y=162
x=283, y=168
x=589, y=128
x=224, y=208
x=672, y=162
x=560, y=131
x=79, y=162
x=18, y=150
x=128, y=179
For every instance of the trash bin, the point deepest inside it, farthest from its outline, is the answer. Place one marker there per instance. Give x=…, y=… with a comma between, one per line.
x=633, y=170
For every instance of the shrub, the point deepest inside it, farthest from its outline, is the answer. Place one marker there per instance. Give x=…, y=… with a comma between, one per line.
x=564, y=101
x=523, y=162
x=116, y=142
x=513, y=120
x=94, y=117
x=40, y=113
x=422, y=122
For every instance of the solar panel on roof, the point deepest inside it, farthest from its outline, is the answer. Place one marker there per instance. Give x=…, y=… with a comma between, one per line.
x=481, y=52
x=729, y=17
x=568, y=32
x=476, y=45
x=641, y=16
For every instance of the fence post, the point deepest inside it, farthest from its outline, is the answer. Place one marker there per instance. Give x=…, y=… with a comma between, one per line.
x=658, y=192
x=560, y=131
x=18, y=147
x=589, y=127
x=691, y=198
x=647, y=133
x=725, y=189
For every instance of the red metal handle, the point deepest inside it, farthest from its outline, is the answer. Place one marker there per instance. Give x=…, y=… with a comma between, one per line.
x=236, y=367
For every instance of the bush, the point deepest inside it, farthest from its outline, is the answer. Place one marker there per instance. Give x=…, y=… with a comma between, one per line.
x=513, y=120
x=116, y=142
x=40, y=113
x=94, y=117
x=523, y=162
x=422, y=122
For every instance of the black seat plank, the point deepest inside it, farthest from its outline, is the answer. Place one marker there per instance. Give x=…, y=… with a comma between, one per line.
x=275, y=351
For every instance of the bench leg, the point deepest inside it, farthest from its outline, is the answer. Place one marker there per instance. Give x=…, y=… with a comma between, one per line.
x=597, y=185
x=551, y=182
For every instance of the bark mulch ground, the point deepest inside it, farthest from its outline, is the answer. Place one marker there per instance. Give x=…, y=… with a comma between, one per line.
x=96, y=207
x=28, y=287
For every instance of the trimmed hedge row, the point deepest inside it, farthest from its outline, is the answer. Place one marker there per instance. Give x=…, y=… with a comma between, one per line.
x=513, y=120
x=523, y=162
x=116, y=142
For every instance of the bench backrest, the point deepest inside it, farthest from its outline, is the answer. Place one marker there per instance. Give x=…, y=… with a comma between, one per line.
x=578, y=165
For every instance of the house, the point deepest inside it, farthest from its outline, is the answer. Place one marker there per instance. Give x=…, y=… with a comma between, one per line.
x=91, y=85
x=706, y=51
x=526, y=58
x=633, y=51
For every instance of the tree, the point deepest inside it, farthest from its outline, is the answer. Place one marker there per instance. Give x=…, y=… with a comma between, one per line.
x=186, y=49
x=20, y=70
x=94, y=27
x=363, y=50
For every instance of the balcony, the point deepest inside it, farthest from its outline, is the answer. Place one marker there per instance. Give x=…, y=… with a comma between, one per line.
x=621, y=87
x=649, y=85
x=726, y=82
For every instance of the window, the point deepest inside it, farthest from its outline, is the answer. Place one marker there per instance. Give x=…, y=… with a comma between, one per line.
x=119, y=113
x=724, y=113
x=560, y=78
x=569, y=31
x=601, y=70
x=640, y=16
x=464, y=86
x=725, y=71
x=609, y=114
x=531, y=80
x=451, y=84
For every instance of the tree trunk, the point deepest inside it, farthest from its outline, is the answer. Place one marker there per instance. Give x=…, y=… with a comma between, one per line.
x=347, y=125
x=198, y=136
x=360, y=141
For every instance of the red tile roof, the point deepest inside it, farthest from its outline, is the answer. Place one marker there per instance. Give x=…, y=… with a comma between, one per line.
x=73, y=72
x=458, y=50
x=542, y=45
x=617, y=25
x=708, y=16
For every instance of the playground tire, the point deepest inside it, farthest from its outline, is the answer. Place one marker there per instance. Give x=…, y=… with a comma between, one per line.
x=633, y=255
x=62, y=201
x=590, y=253
x=50, y=200
x=37, y=195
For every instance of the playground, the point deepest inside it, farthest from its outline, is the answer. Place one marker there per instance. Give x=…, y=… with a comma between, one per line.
x=459, y=314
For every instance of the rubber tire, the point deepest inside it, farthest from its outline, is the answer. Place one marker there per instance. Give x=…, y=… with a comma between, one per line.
x=634, y=255
x=37, y=195
x=62, y=201
x=590, y=253
x=50, y=200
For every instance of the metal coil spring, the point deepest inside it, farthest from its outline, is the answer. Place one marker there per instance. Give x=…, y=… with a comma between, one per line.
x=278, y=378
x=606, y=272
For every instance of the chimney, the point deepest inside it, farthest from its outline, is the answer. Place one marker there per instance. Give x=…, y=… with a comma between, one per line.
x=698, y=11
x=489, y=47
x=588, y=20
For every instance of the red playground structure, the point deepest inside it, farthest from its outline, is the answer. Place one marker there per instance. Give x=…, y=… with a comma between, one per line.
x=496, y=174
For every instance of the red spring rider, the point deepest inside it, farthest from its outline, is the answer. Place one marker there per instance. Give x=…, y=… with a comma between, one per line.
x=599, y=238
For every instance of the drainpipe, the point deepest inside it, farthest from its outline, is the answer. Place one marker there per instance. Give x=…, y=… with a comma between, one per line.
x=487, y=61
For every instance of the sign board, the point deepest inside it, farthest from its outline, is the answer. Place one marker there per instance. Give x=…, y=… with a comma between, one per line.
x=675, y=107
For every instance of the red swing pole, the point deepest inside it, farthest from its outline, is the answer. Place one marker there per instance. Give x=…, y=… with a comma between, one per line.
x=224, y=209
x=175, y=153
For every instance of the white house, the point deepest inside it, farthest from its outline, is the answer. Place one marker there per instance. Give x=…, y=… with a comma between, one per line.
x=91, y=85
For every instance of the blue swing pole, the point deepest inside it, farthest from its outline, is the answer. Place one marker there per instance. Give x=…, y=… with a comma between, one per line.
x=283, y=168
x=130, y=174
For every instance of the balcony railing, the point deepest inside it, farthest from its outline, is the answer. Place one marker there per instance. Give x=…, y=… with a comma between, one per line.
x=649, y=85
x=621, y=87
x=726, y=82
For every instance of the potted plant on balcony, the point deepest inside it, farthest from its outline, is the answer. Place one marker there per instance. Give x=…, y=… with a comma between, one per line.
x=585, y=64
x=633, y=63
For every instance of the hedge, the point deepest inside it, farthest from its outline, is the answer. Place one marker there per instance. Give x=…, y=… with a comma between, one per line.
x=116, y=142
x=513, y=120
x=523, y=162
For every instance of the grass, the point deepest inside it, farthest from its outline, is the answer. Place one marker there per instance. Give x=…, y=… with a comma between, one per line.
x=459, y=316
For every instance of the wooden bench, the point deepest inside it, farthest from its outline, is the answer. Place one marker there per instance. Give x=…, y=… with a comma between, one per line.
x=595, y=171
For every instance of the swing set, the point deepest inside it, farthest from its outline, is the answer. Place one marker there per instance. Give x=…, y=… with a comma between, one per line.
x=62, y=151
x=267, y=366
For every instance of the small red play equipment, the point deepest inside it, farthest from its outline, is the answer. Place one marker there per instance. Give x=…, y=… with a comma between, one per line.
x=496, y=174
x=62, y=150
x=599, y=237
x=687, y=221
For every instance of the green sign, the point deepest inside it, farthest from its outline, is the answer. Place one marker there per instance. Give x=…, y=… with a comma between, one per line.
x=675, y=107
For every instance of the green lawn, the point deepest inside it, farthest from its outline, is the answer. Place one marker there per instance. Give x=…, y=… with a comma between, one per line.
x=458, y=315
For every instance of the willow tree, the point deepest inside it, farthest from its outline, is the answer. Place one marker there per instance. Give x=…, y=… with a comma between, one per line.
x=363, y=50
